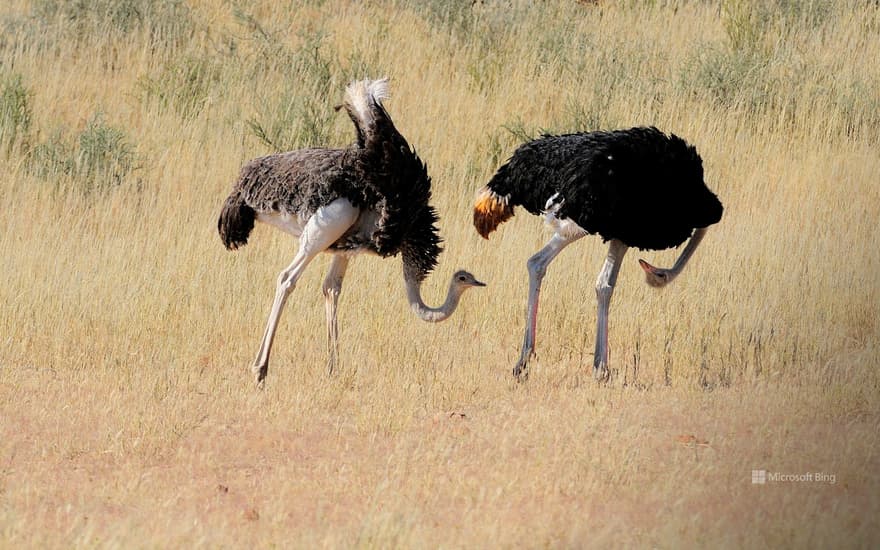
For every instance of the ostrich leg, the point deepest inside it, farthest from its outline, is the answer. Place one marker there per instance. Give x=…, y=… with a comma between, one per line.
x=332, y=287
x=604, y=289
x=324, y=228
x=537, y=266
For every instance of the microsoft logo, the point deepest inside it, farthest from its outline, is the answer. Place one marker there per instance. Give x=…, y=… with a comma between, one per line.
x=759, y=477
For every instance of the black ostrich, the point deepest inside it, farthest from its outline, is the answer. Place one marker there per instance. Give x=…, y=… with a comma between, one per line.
x=635, y=188
x=372, y=196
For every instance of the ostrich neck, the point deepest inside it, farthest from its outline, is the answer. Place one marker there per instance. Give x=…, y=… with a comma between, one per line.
x=427, y=313
x=688, y=251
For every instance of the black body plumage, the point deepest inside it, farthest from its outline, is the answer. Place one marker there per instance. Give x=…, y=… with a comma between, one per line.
x=379, y=172
x=639, y=185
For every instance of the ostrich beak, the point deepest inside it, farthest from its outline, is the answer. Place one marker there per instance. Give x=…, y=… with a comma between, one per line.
x=479, y=283
x=647, y=267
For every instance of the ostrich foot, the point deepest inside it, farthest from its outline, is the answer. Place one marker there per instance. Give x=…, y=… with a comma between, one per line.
x=521, y=369
x=601, y=372
x=260, y=371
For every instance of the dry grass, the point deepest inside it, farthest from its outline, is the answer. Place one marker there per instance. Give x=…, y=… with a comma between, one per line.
x=127, y=413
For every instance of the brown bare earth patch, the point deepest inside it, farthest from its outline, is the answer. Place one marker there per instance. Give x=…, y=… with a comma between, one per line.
x=550, y=469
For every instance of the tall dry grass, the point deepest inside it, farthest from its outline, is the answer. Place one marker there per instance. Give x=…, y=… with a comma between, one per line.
x=127, y=414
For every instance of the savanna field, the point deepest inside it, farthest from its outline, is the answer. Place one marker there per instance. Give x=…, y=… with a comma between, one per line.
x=128, y=413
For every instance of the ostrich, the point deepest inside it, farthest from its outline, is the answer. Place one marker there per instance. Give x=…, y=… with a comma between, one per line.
x=635, y=188
x=372, y=196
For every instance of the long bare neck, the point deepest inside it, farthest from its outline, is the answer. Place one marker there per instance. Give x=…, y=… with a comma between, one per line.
x=427, y=313
x=688, y=251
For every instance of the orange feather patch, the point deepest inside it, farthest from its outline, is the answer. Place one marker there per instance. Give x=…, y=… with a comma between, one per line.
x=490, y=211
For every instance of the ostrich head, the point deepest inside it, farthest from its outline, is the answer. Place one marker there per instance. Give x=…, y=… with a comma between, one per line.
x=460, y=282
x=463, y=280
x=657, y=276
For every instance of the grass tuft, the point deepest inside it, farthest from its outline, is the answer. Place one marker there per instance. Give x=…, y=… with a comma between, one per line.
x=16, y=114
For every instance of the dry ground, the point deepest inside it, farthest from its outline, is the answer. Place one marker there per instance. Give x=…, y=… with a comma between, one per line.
x=555, y=463
x=128, y=417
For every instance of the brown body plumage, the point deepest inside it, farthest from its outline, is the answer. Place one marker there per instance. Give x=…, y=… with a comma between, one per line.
x=378, y=173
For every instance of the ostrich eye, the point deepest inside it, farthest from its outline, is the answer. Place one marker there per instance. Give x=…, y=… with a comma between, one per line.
x=461, y=278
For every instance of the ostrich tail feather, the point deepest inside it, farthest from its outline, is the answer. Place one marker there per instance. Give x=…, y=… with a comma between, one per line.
x=490, y=211
x=363, y=102
x=235, y=222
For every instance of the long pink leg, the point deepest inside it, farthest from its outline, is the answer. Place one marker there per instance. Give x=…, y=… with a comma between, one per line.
x=604, y=289
x=324, y=228
x=537, y=266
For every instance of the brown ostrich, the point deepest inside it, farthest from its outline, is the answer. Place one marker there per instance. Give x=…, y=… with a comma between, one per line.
x=372, y=196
